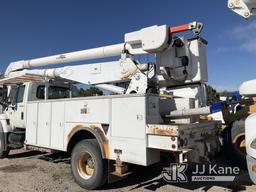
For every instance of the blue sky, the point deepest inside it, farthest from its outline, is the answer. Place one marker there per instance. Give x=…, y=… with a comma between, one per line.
x=30, y=29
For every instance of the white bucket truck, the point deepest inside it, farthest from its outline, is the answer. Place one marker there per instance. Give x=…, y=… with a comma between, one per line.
x=146, y=115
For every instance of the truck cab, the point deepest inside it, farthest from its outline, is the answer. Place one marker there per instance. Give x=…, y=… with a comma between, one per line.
x=33, y=91
x=14, y=118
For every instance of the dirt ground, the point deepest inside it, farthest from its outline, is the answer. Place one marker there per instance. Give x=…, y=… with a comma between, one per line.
x=34, y=171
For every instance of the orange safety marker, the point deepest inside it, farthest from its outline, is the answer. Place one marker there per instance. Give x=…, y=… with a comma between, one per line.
x=180, y=28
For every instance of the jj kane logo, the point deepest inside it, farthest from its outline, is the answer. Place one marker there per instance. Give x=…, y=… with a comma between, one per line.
x=177, y=173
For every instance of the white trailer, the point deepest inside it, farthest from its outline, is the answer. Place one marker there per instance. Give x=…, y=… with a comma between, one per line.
x=131, y=126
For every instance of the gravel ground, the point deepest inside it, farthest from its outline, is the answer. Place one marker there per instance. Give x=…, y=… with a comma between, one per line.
x=33, y=171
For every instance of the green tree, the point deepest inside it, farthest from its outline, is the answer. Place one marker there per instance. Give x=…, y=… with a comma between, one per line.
x=224, y=93
x=92, y=91
x=212, y=94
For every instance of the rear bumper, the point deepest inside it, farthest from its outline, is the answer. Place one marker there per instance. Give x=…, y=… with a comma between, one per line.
x=197, y=141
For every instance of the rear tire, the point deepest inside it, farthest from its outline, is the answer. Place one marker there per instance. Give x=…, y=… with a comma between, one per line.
x=88, y=168
x=3, y=151
x=235, y=146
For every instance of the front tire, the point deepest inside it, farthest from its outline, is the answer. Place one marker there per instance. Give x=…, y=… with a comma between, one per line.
x=88, y=168
x=3, y=151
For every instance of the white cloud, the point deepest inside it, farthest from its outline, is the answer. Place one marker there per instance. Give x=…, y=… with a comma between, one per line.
x=244, y=31
x=244, y=38
x=221, y=88
x=249, y=45
x=225, y=49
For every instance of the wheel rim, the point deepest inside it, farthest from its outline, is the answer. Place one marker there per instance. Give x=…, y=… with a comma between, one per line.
x=85, y=165
x=240, y=144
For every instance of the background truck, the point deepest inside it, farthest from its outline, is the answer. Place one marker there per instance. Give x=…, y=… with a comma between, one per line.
x=231, y=102
x=232, y=112
x=247, y=9
x=133, y=123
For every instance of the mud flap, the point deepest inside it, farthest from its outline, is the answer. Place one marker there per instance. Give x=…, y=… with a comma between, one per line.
x=3, y=146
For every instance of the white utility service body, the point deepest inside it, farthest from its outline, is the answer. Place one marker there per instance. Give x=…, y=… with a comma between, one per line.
x=133, y=125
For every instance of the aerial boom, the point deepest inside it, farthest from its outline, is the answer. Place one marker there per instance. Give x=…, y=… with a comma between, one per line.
x=179, y=61
x=147, y=40
x=101, y=52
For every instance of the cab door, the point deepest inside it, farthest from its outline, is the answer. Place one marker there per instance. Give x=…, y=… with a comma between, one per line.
x=17, y=109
